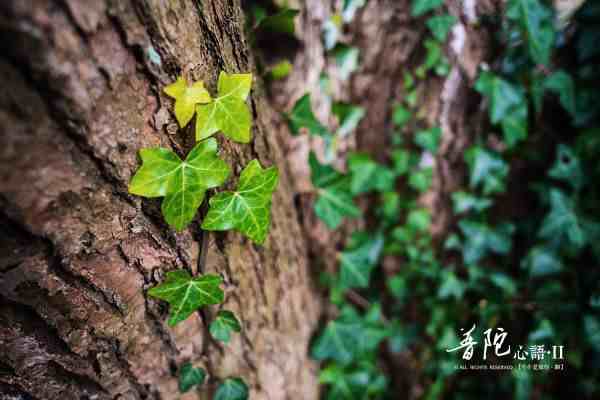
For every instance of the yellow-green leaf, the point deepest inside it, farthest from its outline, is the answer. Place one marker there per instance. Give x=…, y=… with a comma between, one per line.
x=186, y=97
x=229, y=112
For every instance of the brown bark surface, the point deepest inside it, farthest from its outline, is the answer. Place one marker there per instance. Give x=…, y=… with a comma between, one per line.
x=80, y=95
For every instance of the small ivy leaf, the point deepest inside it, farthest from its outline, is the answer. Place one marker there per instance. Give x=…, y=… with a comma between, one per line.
x=185, y=294
x=429, y=139
x=538, y=23
x=562, y=222
x=229, y=112
x=503, y=95
x=247, y=209
x=451, y=285
x=419, y=220
x=349, y=116
x=282, y=22
x=562, y=84
x=487, y=169
x=420, y=7
x=514, y=125
x=480, y=240
x=440, y=26
x=542, y=261
x=232, y=389
x=190, y=377
x=335, y=199
x=401, y=116
x=339, y=341
x=350, y=335
x=303, y=117
x=183, y=183
x=367, y=175
x=421, y=179
x=464, y=202
x=359, y=258
x=186, y=97
x=223, y=325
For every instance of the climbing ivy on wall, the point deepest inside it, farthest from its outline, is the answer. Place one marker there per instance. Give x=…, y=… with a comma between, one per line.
x=183, y=184
x=494, y=262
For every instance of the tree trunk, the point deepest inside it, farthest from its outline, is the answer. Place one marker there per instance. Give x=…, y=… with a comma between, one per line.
x=81, y=94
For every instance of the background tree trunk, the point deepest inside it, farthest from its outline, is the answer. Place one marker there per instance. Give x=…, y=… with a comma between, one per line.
x=81, y=94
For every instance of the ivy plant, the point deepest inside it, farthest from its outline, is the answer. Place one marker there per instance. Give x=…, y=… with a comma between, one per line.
x=186, y=97
x=224, y=324
x=232, y=389
x=189, y=376
x=247, y=209
x=183, y=184
x=228, y=112
x=186, y=294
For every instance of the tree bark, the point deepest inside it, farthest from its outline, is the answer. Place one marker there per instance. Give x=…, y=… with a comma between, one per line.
x=81, y=94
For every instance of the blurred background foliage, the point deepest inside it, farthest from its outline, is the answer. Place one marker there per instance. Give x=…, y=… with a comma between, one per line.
x=523, y=249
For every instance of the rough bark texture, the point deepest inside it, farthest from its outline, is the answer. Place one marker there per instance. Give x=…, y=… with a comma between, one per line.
x=81, y=94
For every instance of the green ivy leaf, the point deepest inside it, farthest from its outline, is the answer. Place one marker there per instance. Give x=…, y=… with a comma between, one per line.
x=401, y=116
x=429, y=139
x=339, y=341
x=440, y=25
x=464, y=202
x=247, y=209
x=362, y=382
x=434, y=57
x=223, y=325
x=232, y=389
x=182, y=183
x=542, y=261
x=562, y=222
x=480, y=240
x=367, y=175
x=185, y=294
x=418, y=220
x=562, y=84
x=229, y=112
x=303, y=117
x=349, y=336
x=420, y=7
x=335, y=199
x=514, y=125
x=538, y=23
x=349, y=116
x=346, y=59
x=421, y=179
x=402, y=161
x=451, y=285
x=190, y=377
x=487, y=170
x=282, y=22
x=186, y=97
x=359, y=258
x=503, y=95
